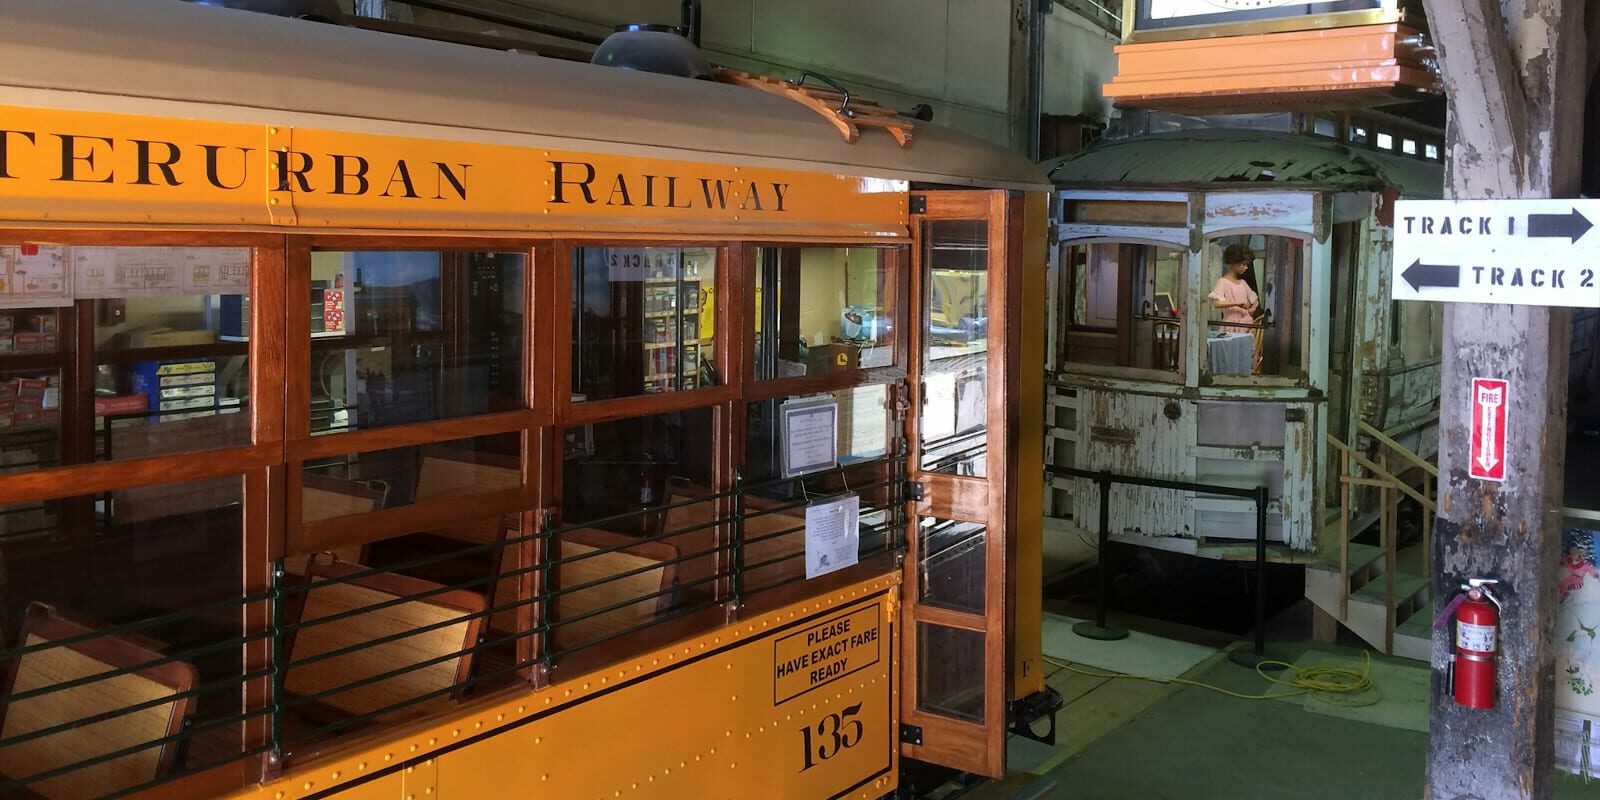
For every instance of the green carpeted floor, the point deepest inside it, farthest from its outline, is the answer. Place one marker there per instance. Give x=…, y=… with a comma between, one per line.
x=1123, y=739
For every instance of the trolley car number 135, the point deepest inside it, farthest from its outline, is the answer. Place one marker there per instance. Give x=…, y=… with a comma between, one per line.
x=833, y=733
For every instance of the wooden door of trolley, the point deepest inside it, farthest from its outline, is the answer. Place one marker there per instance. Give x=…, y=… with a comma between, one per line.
x=956, y=621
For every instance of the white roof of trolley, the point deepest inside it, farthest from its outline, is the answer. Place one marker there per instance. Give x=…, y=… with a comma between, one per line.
x=160, y=56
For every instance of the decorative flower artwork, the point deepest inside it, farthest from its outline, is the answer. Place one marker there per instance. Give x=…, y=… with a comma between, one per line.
x=1578, y=625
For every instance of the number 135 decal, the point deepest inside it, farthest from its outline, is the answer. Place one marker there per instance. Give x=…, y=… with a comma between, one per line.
x=834, y=732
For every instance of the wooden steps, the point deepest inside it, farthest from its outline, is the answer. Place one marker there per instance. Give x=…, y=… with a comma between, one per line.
x=1406, y=588
x=1365, y=612
x=1414, y=637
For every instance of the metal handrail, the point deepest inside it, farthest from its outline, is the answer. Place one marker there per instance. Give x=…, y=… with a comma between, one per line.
x=279, y=626
x=1104, y=479
x=1390, y=486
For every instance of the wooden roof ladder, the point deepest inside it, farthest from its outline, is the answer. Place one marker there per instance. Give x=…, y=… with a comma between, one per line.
x=847, y=113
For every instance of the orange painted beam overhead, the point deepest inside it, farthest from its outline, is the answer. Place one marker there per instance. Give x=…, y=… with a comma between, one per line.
x=1349, y=67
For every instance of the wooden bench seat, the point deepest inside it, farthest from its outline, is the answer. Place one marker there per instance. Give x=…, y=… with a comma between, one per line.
x=56, y=665
x=633, y=555
x=328, y=599
x=763, y=517
x=326, y=497
x=442, y=476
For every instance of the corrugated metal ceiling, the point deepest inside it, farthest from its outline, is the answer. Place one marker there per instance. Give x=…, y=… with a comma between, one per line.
x=1254, y=157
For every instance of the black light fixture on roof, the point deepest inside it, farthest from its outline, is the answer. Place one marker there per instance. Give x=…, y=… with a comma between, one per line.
x=665, y=49
x=314, y=10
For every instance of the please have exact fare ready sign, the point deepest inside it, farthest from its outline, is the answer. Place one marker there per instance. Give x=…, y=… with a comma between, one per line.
x=1521, y=252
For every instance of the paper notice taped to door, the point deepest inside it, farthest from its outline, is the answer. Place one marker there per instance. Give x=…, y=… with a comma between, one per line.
x=833, y=535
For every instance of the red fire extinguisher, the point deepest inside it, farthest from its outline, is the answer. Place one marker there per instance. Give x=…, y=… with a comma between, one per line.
x=1477, y=617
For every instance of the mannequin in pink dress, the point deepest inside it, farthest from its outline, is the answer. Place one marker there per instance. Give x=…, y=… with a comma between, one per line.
x=1234, y=298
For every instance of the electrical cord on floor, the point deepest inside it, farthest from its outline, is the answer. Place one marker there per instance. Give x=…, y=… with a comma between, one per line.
x=1338, y=686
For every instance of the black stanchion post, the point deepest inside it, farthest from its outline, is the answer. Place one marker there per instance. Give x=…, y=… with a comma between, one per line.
x=1099, y=629
x=1256, y=658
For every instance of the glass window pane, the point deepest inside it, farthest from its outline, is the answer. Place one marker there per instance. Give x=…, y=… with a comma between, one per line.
x=1127, y=306
x=30, y=420
x=410, y=336
x=775, y=508
x=1254, y=324
x=952, y=564
x=831, y=309
x=634, y=464
x=169, y=344
x=151, y=556
x=955, y=384
x=643, y=321
x=618, y=545
x=864, y=429
x=363, y=482
x=171, y=333
x=950, y=672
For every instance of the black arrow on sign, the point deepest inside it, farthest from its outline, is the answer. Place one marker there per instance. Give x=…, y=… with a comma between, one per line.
x=1420, y=275
x=1559, y=226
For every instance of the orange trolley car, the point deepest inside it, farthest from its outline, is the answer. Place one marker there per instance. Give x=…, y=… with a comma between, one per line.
x=381, y=418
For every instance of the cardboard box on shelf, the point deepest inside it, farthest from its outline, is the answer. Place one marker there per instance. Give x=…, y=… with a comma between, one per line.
x=29, y=342
x=150, y=378
x=8, y=323
x=188, y=403
x=42, y=323
x=169, y=337
x=198, y=390
x=191, y=379
x=121, y=404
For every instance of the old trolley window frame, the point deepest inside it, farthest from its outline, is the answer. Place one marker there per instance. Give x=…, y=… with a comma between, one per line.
x=319, y=551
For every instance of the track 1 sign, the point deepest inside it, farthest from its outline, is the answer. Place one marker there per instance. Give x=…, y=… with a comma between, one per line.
x=1490, y=399
x=1522, y=252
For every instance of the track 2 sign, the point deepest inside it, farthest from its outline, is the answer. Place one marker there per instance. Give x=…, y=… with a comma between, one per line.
x=1522, y=252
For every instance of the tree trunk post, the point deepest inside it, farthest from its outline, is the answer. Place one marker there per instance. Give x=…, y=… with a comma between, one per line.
x=1515, y=73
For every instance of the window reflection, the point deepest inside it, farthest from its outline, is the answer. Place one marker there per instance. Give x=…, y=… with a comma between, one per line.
x=643, y=321
x=164, y=559
x=829, y=308
x=169, y=345
x=410, y=336
x=1127, y=305
x=955, y=383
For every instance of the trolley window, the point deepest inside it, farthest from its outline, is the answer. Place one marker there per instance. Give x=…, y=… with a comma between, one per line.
x=167, y=346
x=639, y=538
x=774, y=498
x=1255, y=289
x=955, y=374
x=643, y=321
x=138, y=591
x=411, y=336
x=821, y=310
x=1126, y=307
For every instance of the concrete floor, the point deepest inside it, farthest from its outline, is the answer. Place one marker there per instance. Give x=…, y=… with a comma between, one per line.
x=1120, y=739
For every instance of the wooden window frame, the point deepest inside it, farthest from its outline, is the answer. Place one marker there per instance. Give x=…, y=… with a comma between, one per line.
x=898, y=287
x=1128, y=316
x=301, y=446
x=589, y=412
